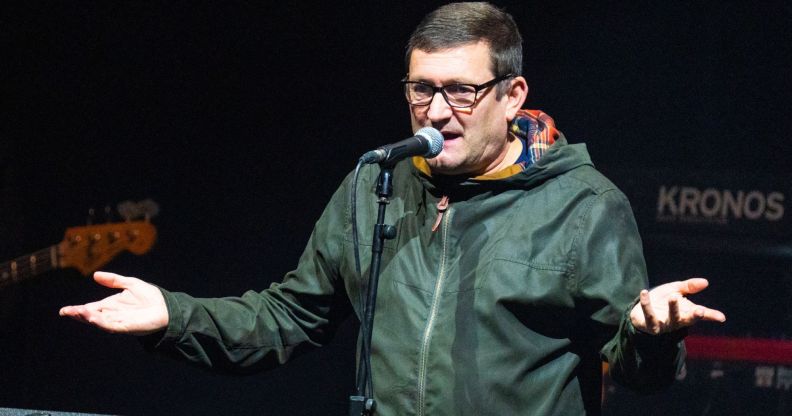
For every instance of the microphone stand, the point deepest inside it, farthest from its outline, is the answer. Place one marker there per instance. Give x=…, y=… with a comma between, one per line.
x=360, y=404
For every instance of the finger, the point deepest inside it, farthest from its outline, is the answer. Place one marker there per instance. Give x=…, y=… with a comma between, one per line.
x=673, y=311
x=94, y=314
x=73, y=311
x=96, y=306
x=78, y=313
x=96, y=317
x=646, y=307
x=82, y=310
x=693, y=285
x=112, y=280
x=113, y=321
x=708, y=314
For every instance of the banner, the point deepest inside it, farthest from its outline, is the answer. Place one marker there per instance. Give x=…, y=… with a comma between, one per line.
x=723, y=211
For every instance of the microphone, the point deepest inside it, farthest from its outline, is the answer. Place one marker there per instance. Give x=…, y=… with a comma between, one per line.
x=427, y=142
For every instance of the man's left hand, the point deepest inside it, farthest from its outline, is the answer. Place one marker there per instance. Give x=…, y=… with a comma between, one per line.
x=666, y=309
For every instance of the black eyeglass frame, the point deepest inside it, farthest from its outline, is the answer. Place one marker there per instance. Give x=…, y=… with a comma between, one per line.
x=441, y=89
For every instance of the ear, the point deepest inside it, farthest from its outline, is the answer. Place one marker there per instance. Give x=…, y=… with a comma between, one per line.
x=515, y=97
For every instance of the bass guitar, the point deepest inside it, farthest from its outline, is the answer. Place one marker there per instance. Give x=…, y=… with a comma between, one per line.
x=86, y=248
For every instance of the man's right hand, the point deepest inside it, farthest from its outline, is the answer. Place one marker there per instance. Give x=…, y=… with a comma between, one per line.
x=138, y=310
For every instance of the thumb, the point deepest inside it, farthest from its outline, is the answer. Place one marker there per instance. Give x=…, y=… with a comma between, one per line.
x=112, y=280
x=693, y=285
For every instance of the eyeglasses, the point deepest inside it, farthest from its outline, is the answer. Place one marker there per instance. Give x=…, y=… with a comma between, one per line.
x=456, y=95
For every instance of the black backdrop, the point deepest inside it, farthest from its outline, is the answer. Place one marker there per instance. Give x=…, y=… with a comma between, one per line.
x=240, y=119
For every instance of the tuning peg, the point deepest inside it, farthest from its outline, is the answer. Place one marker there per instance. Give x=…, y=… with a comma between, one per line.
x=150, y=208
x=126, y=209
x=133, y=210
x=108, y=213
x=91, y=216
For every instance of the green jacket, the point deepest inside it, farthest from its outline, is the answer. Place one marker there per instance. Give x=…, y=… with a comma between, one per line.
x=508, y=308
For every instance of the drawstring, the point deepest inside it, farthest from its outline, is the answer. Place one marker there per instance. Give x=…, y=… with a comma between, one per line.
x=442, y=206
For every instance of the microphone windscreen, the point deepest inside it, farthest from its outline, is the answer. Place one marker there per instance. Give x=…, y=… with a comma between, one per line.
x=435, y=139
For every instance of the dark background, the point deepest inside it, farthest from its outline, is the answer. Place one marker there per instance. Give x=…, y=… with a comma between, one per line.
x=241, y=118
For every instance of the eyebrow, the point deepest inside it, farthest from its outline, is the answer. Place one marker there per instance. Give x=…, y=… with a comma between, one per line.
x=450, y=82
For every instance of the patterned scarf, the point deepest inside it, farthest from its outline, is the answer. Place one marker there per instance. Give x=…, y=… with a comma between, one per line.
x=537, y=131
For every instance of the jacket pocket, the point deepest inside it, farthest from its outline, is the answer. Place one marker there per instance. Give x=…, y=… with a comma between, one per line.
x=526, y=281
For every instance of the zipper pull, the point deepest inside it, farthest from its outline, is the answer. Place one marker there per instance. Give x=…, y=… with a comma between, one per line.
x=442, y=206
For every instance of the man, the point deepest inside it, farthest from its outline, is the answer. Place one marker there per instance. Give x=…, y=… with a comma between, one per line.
x=514, y=273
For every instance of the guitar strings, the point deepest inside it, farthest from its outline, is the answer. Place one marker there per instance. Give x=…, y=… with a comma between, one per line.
x=24, y=266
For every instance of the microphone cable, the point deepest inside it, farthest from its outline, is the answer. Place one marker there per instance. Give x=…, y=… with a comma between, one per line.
x=365, y=367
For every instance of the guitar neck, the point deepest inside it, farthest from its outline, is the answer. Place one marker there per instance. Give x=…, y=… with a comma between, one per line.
x=30, y=265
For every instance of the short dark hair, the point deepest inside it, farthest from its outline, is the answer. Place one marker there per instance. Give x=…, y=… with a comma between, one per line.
x=457, y=24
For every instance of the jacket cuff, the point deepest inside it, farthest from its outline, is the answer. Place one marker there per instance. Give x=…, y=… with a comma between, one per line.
x=175, y=329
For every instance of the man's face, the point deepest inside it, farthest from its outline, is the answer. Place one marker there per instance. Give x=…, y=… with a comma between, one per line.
x=476, y=138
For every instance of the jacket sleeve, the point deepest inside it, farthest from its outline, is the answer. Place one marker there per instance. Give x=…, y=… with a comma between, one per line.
x=611, y=274
x=262, y=329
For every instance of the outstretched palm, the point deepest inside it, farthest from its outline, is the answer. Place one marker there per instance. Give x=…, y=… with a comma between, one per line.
x=139, y=309
x=665, y=308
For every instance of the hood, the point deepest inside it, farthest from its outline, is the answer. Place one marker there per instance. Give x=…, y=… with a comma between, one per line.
x=548, y=155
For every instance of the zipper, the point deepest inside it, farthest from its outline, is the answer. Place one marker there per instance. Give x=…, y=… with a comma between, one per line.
x=427, y=336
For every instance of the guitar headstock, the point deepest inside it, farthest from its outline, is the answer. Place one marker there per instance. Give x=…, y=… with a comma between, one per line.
x=90, y=247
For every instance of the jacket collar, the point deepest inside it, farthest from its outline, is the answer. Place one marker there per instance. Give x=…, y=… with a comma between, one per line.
x=549, y=156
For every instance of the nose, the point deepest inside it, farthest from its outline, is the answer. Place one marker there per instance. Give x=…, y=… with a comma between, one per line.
x=439, y=109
